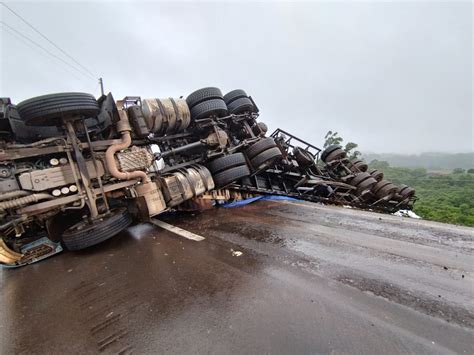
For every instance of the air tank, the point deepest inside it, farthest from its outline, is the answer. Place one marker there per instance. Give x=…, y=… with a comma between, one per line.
x=166, y=116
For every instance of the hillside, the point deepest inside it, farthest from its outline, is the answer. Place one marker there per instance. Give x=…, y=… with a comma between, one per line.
x=429, y=161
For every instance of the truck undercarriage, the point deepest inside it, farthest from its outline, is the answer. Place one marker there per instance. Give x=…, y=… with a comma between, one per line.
x=75, y=171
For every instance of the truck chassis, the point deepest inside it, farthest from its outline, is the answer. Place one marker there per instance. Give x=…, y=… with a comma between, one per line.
x=75, y=170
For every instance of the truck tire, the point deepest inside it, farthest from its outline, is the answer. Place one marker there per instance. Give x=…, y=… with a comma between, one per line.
x=260, y=146
x=303, y=157
x=234, y=95
x=379, y=185
x=328, y=151
x=359, y=178
x=47, y=109
x=202, y=95
x=266, y=158
x=406, y=191
x=359, y=165
x=226, y=162
x=336, y=154
x=239, y=106
x=215, y=107
x=388, y=190
x=228, y=176
x=367, y=184
x=377, y=175
x=83, y=235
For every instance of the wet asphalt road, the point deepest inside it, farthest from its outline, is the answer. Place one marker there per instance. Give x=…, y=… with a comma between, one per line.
x=311, y=279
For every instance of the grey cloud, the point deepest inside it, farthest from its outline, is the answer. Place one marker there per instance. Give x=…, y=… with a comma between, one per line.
x=394, y=77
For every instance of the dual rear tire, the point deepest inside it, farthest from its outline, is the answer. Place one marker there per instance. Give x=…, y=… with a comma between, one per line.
x=231, y=168
x=209, y=102
x=332, y=153
x=238, y=102
x=263, y=153
x=228, y=169
x=206, y=102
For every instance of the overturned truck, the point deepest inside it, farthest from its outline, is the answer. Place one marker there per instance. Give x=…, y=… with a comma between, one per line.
x=76, y=170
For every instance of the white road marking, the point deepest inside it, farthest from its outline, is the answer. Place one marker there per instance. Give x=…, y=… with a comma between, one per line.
x=176, y=230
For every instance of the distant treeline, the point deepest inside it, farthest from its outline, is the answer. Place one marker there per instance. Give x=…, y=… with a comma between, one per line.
x=447, y=197
x=430, y=161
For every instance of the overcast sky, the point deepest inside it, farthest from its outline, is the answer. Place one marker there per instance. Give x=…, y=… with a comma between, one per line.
x=393, y=77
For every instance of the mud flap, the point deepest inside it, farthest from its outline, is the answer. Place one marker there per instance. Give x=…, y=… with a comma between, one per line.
x=30, y=253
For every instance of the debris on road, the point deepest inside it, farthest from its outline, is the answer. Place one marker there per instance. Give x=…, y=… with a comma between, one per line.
x=406, y=213
x=236, y=252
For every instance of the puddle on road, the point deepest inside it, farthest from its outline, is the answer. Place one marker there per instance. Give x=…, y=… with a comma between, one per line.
x=252, y=232
x=244, y=221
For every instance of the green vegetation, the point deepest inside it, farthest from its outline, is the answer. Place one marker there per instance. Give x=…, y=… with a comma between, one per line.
x=443, y=197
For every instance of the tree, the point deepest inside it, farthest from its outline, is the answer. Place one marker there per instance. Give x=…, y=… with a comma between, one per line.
x=470, y=171
x=458, y=171
x=332, y=138
x=351, y=151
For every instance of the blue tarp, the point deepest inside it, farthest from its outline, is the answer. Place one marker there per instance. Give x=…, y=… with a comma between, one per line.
x=258, y=198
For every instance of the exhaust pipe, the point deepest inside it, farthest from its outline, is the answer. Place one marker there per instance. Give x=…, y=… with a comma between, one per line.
x=149, y=196
x=123, y=126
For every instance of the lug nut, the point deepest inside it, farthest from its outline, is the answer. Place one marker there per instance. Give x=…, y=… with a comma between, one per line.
x=54, y=161
x=65, y=190
x=73, y=188
x=56, y=193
